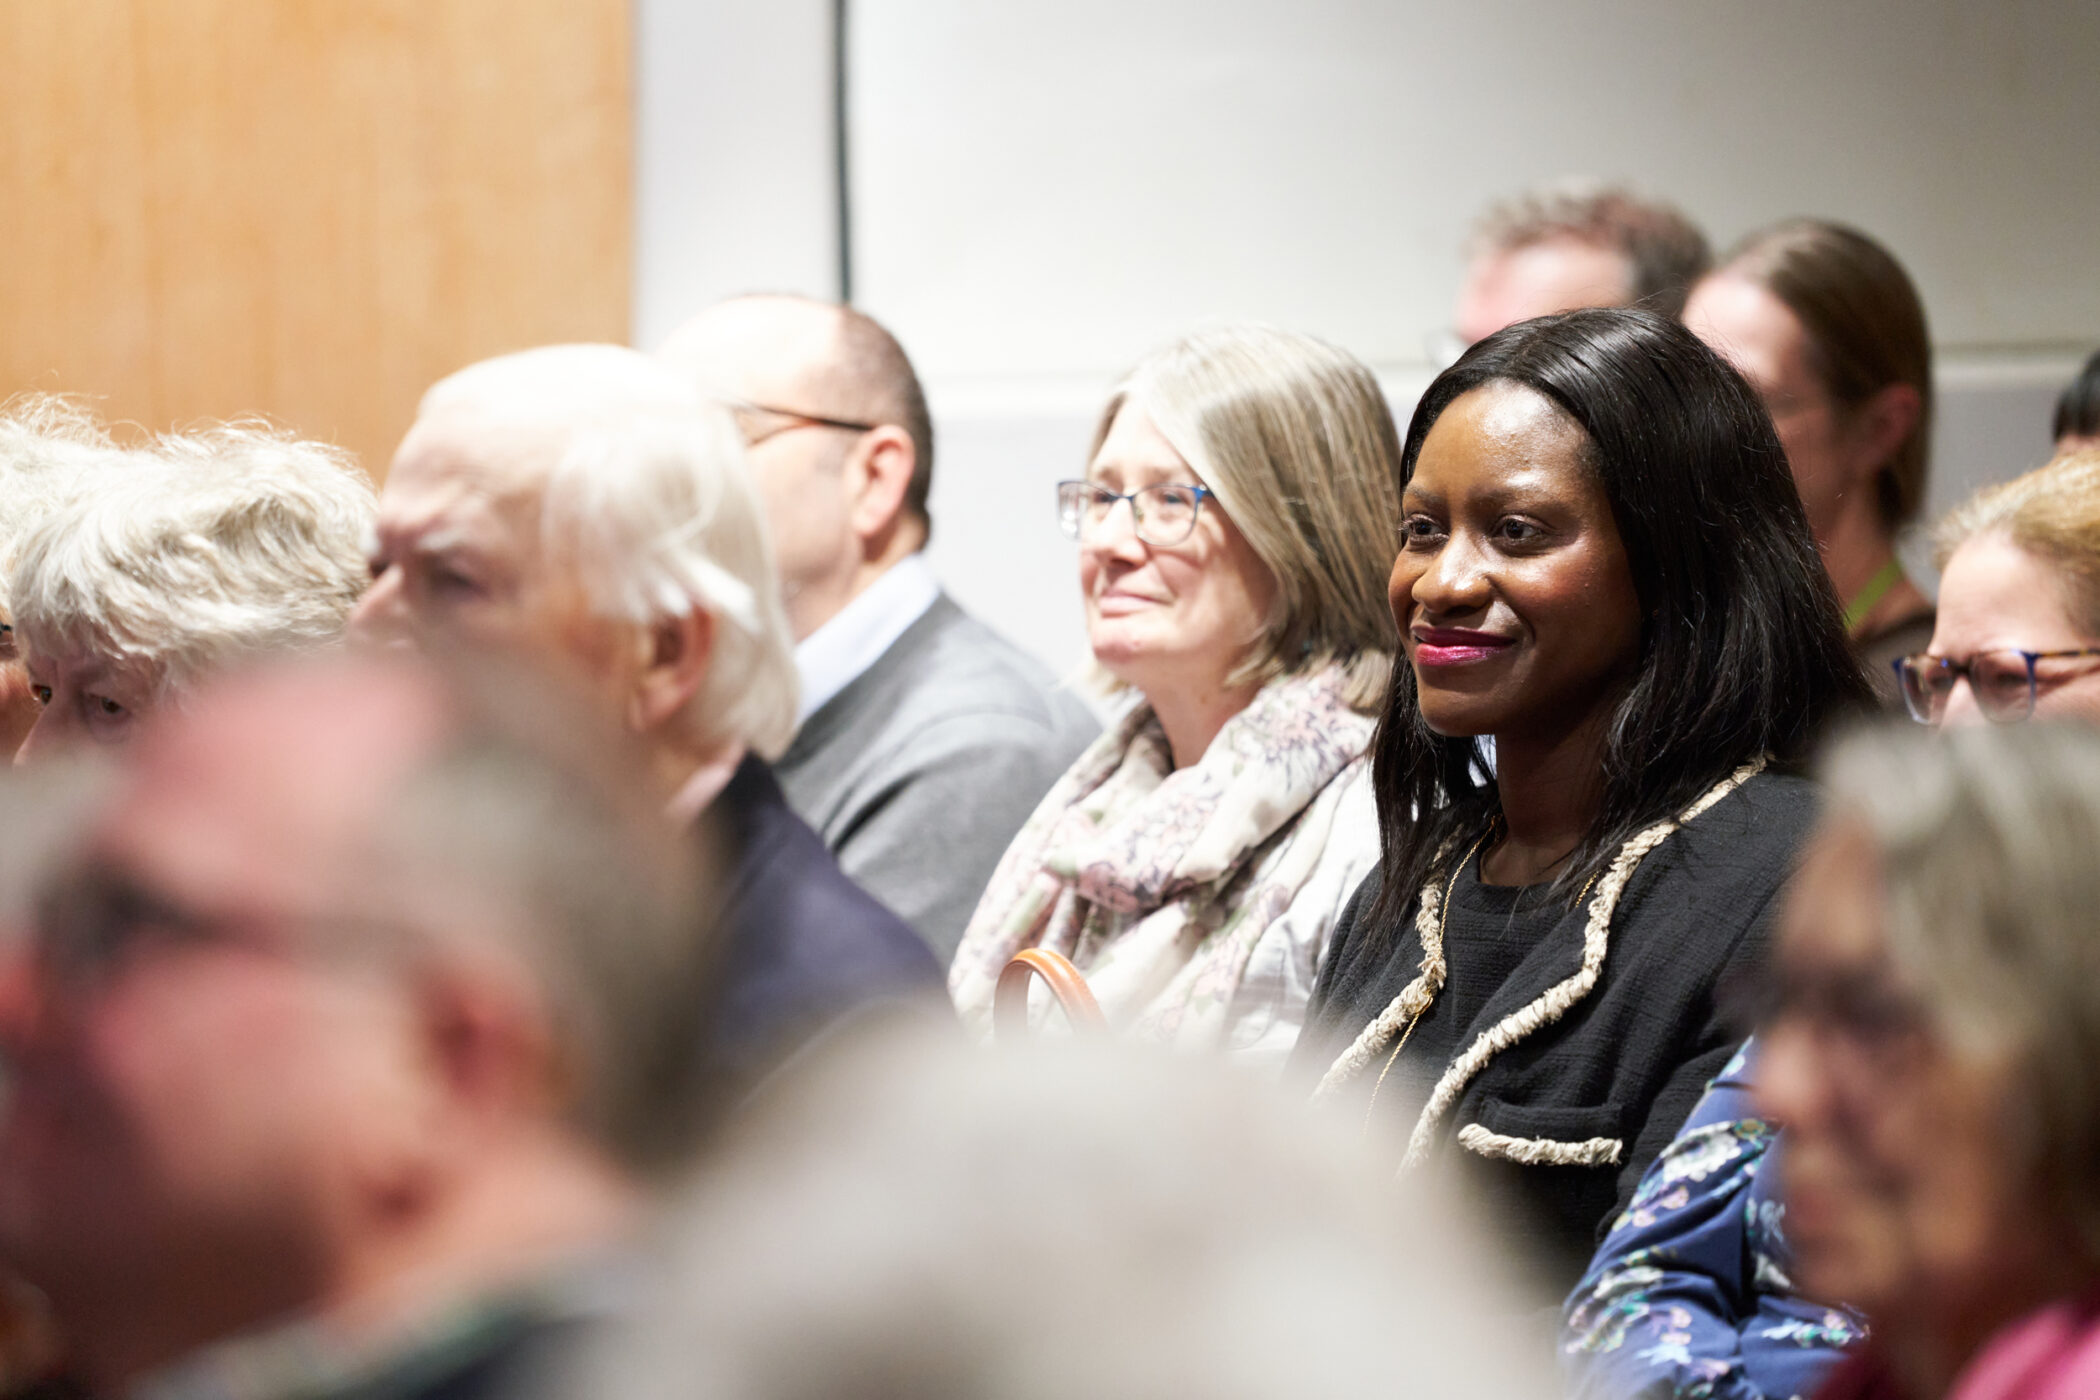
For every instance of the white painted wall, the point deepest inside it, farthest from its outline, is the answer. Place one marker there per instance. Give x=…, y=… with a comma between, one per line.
x=734, y=182
x=1043, y=191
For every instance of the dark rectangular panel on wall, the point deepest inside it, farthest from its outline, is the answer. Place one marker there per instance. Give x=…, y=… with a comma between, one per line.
x=309, y=209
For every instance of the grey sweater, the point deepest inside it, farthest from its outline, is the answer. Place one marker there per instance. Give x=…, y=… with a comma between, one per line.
x=919, y=773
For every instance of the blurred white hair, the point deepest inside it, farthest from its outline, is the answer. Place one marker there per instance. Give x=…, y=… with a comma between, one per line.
x=49, y=448
x=234, y=540
x=647, y=498
x=918, y=1218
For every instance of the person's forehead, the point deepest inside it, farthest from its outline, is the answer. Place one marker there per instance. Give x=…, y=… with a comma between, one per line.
x=1995, y=594
x=459, y=469
x=55, y=661
x=1751, y=329
x=1560, y=273
x=256, y=795
x=1135, y=450
x=1519, y=431
x=759, y=349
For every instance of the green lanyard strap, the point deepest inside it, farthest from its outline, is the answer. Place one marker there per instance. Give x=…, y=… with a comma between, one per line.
x=1877, y=588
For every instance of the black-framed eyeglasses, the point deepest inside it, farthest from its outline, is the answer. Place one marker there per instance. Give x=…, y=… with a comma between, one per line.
x=1163, y=515
x=2004, y=681
x=744, y=410
x=93, y=920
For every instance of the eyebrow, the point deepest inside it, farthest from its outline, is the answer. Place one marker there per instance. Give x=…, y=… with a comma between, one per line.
x=445, y=539
x=437, y=536
x=1524, y=486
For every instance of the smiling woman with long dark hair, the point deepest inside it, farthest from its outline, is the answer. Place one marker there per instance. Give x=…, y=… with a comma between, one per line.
x=1605, y=569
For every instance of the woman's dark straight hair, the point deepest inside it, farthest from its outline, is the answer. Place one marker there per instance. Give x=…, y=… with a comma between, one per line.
x=1743, y=649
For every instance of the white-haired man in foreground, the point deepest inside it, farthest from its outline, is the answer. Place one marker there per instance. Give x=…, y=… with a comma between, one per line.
x=203, y=549
x=580, y=506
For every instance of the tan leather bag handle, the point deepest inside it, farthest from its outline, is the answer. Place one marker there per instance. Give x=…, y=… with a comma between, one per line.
x=1010, y=997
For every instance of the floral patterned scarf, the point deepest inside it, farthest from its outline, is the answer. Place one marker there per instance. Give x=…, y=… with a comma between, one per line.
x=1159, y=882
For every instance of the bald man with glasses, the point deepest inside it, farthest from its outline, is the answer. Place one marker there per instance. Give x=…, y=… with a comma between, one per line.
x=926, y=738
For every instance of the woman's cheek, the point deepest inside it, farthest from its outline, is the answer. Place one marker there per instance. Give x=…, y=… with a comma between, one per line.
x=1400, y=590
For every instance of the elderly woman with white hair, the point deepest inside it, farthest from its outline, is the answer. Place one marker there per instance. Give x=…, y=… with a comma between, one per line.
x=580, y=506
x=49, y=449
x=213, y=546
x=1235, y=526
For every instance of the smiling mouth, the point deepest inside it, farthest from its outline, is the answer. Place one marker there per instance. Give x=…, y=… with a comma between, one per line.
x=1116, y=603
x=1457, y=646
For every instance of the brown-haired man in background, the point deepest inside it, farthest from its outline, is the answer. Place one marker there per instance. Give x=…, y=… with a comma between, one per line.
x=1576, y=243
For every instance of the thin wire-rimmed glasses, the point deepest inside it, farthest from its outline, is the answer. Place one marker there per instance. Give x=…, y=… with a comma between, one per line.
x=744, y=411
x=2003, y=680
x=1164, y=515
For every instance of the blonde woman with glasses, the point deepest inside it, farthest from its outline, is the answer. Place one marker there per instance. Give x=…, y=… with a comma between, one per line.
x=1235, y=525
x=2018, y=632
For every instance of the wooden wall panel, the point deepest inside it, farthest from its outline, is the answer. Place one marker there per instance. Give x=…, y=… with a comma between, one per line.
x=306, y=208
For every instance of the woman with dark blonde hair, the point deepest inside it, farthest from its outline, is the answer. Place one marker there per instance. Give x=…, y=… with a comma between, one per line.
x=1234, y=524
x=2018, y=633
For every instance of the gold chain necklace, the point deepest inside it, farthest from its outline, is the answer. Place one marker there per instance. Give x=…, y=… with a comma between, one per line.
x=1443, y=924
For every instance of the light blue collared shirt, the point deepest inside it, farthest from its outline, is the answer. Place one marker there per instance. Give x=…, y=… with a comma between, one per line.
x=830, y=658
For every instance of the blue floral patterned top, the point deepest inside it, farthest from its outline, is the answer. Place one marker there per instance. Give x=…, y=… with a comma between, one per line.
x=1689, y=1296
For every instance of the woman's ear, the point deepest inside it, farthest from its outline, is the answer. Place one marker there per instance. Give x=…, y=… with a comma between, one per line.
x=676, y=652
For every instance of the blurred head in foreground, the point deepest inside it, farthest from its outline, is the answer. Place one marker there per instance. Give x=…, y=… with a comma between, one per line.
x=209, y=547
x=579, y=505
x=49, y=449
x=918, y=1218
x=1573, y=244
x=1935, y=1049
x=359, y=996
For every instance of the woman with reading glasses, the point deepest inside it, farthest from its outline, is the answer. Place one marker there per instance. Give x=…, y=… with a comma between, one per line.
x=2018, y=634
x=1234, y=527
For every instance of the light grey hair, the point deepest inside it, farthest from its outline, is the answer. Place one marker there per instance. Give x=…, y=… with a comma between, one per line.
x=1297, y=442
x=1986, y=839
x=222, y=543
x=914, y=1217
x=50, y=449
x=648, y=499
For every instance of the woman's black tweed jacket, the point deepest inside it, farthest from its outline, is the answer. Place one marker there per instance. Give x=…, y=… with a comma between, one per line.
x=1562, y=1113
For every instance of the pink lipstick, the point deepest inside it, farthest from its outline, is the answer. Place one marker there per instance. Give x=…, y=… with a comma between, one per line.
x=1456, y=646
